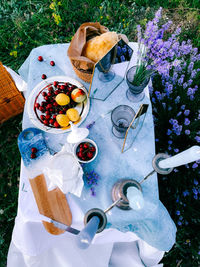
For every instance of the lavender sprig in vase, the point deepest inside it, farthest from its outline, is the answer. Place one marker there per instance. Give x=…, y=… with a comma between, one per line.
x=138, y=76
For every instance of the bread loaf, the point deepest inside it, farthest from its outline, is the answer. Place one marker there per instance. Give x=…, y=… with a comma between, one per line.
x=98, y=46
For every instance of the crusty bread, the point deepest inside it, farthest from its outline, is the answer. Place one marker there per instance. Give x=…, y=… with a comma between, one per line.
x=98, y=46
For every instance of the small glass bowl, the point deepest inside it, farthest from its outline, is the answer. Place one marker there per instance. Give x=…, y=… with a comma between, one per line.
x=77, y=146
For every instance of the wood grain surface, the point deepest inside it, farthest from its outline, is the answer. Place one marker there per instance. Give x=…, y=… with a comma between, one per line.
x=52, y=204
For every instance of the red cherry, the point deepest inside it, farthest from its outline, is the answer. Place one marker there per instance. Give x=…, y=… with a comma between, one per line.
x=42, y=117
x=81, y=145
x=48, y=117
x=81, y=149
x=80, y=155
x=46, y=98
x=57, y=92
x=41, y=108
x=55, y=104
x=58, y=86
x=62, y=87
x=51, y=121
x=52, y=63
x=51, y=109
x=54, y=117
x=44, y=76
x=33, y=155
x=37, y=105
x=50, y=89
x=90, y=155
x=49, y=106
x=46, y=122
x=92, y=149
x=47, y=112
x=61, y=112
x=49, y=94
x=55, y=83
x=56, y=124
x=85, y=146
x=44, y=94
x=40, y=58
x=34, y=150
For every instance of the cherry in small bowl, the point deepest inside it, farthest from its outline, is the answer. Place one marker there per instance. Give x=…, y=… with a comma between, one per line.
x=85, y=151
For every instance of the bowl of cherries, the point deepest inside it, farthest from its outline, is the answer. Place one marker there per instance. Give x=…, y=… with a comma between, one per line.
x=85, y=151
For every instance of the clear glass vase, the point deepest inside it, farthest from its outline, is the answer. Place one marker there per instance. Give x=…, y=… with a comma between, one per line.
x=104, y=67
x=135, y=93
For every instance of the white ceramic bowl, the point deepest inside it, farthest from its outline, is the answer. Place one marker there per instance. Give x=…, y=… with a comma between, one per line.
x=87, y=140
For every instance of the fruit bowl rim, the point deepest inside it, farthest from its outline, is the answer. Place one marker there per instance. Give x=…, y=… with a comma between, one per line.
x=30, y=109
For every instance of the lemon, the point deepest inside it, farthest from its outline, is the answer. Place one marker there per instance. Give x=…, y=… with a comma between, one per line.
x=62, y=99
x=72, y=114
x=62, y=120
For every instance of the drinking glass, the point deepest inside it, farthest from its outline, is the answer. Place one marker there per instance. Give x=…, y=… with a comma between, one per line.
x=121, y=118
x=104, y=67
x=135, y=93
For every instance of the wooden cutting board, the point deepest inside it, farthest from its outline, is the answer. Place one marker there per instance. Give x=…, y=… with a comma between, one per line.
x=52, y=204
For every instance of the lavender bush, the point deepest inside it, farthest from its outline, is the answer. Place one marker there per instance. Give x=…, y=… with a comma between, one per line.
x=175, y=97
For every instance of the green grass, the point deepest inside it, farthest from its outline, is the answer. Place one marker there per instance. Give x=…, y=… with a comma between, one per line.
x=25, y=25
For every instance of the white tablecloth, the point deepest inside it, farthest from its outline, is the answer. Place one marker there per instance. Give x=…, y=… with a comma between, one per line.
x=64, y=252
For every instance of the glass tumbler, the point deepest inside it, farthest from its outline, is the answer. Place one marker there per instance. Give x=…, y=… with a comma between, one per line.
x=121, y=118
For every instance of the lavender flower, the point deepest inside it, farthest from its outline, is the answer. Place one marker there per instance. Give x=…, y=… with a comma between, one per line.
x=178, y=212
x=187, y=132
x=187, y=121
x=186, y=112
x=89, y=126
x=195, y=165
x=186, y=193
x=197, y=138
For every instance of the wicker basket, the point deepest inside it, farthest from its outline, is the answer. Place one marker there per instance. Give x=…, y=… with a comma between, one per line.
x=82, y=74
x=11, y=100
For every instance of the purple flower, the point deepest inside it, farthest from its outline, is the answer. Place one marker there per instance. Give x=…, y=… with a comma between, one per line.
x=178, y=212
x=187, y=132
x=186, y=193
x=187, y=121
x=177, y=99
x=190, y=67
x=196, y=182
x=169, y=131
x=183, y=107
x=195, y=165
x=194, y=190
x=169, y=142
x=89, y=126
x=186, y=112
x=176, y=150
x=179, y=114
x=158, y=95
x=185, y=85
x=197, y=138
